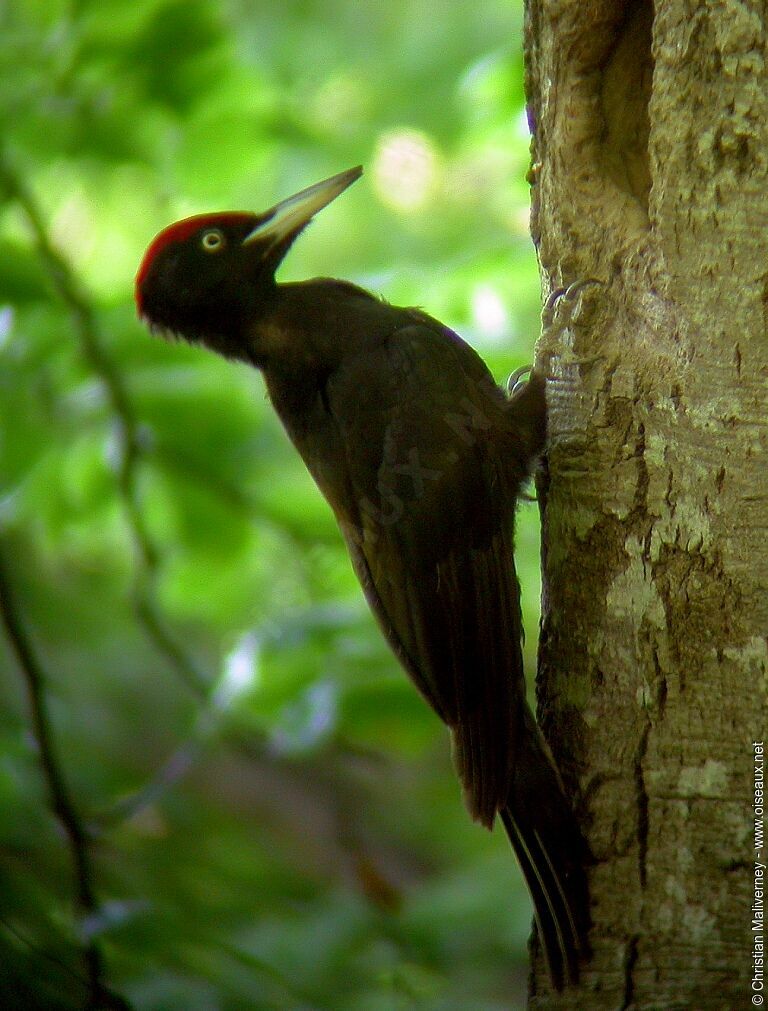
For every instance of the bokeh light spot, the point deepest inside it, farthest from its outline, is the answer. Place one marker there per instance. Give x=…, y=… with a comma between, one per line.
x=489, y=313
x=406, y=169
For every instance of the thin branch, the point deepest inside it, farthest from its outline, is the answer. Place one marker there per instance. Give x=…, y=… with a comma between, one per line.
x=131, y=438
x=28, y=942
x=61, y=800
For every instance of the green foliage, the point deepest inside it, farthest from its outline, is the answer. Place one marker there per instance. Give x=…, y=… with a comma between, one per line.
x=272, y=815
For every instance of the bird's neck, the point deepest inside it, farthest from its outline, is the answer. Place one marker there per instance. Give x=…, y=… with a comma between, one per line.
x=310, y=326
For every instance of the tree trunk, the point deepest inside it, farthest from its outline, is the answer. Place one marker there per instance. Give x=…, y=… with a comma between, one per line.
x=650, y=174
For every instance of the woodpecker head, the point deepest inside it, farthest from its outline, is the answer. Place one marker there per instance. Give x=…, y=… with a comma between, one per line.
x=209, y=277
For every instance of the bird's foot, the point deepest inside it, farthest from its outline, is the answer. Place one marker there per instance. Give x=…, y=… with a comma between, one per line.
x=566, y=300
x=562, y=309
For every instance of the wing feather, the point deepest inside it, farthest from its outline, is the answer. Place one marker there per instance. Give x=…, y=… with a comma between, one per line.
x=429, y=531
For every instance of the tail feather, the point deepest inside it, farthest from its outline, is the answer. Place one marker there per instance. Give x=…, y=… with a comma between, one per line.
x=552, y=854
x=561, y=939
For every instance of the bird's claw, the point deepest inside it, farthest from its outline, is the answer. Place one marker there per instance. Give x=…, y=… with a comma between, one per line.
x=556, y=318
x=515, y=382
x=567, y=295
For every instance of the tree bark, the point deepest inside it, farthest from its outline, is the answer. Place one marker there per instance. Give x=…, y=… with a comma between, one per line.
x=650, y=174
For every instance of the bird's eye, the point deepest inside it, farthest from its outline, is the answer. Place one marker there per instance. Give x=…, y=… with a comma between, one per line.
x=212, y=240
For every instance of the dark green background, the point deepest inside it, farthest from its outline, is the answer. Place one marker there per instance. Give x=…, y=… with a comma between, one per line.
x=276, y=821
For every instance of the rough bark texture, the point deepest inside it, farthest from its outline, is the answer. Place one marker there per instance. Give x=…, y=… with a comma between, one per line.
x=651, y=174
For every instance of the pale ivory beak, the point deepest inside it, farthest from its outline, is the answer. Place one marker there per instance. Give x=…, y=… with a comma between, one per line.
x=296, y=211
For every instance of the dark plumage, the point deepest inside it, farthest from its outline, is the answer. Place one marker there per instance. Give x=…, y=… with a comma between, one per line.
x=421, y=457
